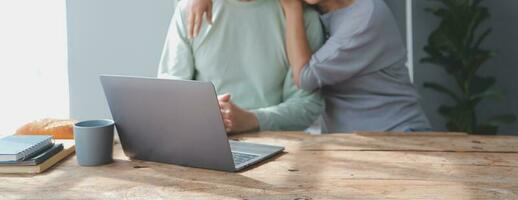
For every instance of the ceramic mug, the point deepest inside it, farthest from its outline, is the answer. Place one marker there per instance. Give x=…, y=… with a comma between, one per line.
x=94, y=142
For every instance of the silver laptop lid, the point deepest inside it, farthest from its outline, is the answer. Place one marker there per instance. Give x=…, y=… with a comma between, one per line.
x=170, y=121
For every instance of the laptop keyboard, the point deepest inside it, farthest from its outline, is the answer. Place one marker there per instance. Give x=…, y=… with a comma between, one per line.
x=240, y=158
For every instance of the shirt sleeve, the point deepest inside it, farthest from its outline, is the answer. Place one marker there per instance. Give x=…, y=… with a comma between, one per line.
x=299, y=108
x=336, y=61
x=177, y=60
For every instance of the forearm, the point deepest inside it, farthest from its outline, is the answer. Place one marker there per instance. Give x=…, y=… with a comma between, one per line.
x=297, y=46
x=293, y=115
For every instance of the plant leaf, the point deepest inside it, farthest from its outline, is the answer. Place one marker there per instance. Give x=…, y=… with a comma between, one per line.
x=480, y=84
x=482, y=38
x=490, y=93
x=441, y=89
x=475, y=59
x=445, y=111
x=460, y=117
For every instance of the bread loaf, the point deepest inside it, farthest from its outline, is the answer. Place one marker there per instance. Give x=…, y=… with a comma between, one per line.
x=59, y=129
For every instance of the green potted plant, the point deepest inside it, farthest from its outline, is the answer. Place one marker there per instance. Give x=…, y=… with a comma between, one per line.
x=456, y=47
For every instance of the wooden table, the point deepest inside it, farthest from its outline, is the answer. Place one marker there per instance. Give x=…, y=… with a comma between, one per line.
x=345, y=166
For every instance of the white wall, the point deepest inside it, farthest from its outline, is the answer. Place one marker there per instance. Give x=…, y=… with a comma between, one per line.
x=112, y=37
x=33, y=62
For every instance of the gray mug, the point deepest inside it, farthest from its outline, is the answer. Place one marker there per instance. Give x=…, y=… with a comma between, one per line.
x=94, y=142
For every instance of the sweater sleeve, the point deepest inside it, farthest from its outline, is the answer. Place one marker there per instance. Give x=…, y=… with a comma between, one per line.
x=367, y=41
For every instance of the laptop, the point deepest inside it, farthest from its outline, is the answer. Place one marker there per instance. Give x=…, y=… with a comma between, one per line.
x=176, y=122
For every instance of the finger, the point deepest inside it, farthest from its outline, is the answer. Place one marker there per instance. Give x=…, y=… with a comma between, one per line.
x=197, y=24
x=226, y=113
x=190, y=25
x=226, y=110
x=228, y=125
x=209, y=14
x=223, y=105
x=224, y=98
x=228, y=122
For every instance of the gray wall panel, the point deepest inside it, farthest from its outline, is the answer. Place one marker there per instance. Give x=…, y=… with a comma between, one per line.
x=112, y=37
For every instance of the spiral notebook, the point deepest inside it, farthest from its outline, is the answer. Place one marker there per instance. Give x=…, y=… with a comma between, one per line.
x=67, y=150
x=38, y=158
x=17, y=148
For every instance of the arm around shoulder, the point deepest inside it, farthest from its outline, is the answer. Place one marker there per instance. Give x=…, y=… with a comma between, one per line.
x=304, y=35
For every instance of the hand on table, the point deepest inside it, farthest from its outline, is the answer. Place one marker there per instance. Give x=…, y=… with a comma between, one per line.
x=196, y=9
x=236, y=119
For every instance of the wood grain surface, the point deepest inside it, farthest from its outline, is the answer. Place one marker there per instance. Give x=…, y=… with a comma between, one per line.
x=336, y=166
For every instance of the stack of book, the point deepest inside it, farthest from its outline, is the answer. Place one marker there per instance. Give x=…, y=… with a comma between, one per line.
x=31, y=154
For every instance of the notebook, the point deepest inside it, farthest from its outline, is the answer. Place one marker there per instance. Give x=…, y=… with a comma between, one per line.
x=68, y=149
x=16, y=147
x=36, y=159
